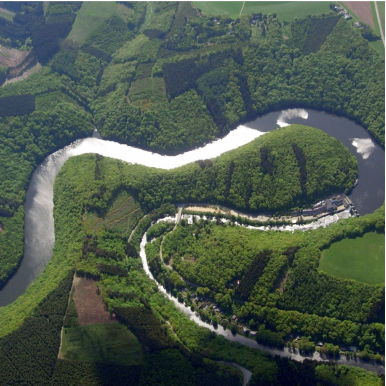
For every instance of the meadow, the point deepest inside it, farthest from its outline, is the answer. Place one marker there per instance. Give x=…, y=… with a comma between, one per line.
x=286, y=10
x=360, y=259
x=109, y=342
x=90, y=16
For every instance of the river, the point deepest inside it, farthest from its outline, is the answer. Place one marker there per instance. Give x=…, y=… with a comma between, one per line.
x=367, y=196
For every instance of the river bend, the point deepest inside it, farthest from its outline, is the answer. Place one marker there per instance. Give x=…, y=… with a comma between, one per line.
x=367, y=196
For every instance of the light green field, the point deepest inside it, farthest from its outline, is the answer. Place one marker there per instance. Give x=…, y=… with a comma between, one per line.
x=286, y=10
x=89, y=16
x=381, y=9
x=4, y=13
x=361, y=259
x=215, y=8
x=378, y=45
x=110, y=342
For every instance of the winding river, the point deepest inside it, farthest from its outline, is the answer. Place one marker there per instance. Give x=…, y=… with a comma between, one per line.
x=367, y=196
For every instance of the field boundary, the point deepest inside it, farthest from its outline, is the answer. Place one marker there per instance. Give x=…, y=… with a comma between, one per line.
x=379, y=23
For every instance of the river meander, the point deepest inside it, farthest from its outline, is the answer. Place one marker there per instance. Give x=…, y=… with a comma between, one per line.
x=367, y=196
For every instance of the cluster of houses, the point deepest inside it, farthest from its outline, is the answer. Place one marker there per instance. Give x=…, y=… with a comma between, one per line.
x=328, y=206
x=342, y=11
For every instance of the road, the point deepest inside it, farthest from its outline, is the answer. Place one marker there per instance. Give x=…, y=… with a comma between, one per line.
x=379, y=23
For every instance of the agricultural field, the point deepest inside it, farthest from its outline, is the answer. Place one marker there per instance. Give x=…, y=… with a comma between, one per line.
x=361, y=259
x=361, y=9
x=286, y=10
x=109, y=343
x=214, y=8
x=90, y=15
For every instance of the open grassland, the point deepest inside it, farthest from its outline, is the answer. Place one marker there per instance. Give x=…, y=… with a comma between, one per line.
x=227, y=8
x=361, y=259
x=111, y=343
x=6, y=14
x=286, y=10
x=90, y=15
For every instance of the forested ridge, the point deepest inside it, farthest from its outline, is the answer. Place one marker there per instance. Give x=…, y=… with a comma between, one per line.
x=180, y=347
x=119, y=79
x=168, y=78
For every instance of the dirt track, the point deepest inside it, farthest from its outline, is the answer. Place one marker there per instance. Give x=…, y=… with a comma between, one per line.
x=363, y=10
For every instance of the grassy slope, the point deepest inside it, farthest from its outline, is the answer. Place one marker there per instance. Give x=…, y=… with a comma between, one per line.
x=286, y=10
x=111, y=342
x=378, y=44
x=361, y=259
x=228, y=8
x=90, y=15
x=7, y=15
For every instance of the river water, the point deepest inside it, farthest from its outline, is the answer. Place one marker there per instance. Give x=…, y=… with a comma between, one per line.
x=367, y=196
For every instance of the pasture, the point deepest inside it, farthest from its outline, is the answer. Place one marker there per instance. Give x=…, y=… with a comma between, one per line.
x=361, y=259
x=109, y=343
x=89, y=16
x=286, y=10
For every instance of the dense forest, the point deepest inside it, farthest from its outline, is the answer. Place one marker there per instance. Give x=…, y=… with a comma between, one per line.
x=119, y=79
x=179, y=347
x=163, y=76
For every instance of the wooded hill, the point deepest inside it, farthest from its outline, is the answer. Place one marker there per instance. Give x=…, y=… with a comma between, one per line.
x=119, y=79
x=181, y=344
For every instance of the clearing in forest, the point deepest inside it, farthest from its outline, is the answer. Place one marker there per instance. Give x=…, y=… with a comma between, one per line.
x=88, y=303
x=89, y=16
x=121, y=217
x=361, y=259
x=109, y=343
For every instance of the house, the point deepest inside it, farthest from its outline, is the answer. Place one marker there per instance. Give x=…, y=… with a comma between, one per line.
x=337, y=200
x=320, y=209
x=308, y=212
x=356, y=25
x=347, y=16
x=331, y=208
x=253, y=333
x=320, y=344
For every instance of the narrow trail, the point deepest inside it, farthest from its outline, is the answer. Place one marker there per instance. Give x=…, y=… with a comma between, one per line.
x=64, y=318
x=242, y=8
x=379, y=23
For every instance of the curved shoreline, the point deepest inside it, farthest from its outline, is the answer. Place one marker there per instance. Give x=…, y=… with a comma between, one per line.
x=39, y=221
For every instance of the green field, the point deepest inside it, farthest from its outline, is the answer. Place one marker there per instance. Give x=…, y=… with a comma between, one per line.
x=4, y=13
x=381, y=9
x=361, y=259
x=90, y=15
x=227, y=8
x=111, y=342
x=286, y=10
